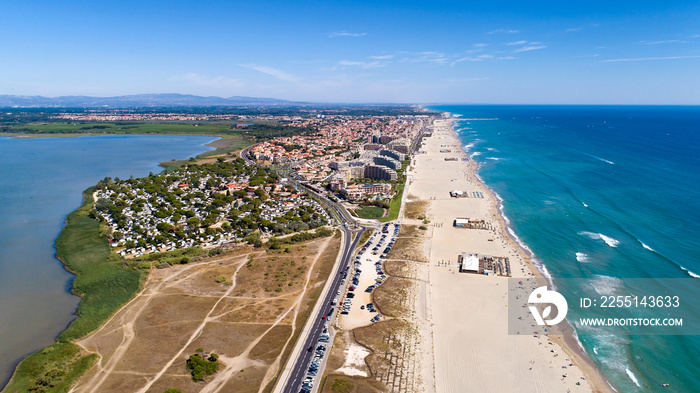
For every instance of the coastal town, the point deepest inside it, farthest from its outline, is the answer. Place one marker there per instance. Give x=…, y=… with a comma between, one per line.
x=352, y=158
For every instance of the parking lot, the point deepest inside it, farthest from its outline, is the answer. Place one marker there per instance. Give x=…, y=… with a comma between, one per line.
x=366, y=273
x=353, y=302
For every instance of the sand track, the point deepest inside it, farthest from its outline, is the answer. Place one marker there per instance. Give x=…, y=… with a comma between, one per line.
x=119, y=342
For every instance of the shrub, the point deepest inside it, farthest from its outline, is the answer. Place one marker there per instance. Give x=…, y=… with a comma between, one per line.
x=201, y=367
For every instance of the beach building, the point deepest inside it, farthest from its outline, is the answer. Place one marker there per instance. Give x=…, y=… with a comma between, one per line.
x=483, y=264
x=458, y=194
x=470, y=223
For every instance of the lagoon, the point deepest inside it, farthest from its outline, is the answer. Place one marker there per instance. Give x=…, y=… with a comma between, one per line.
x=41, y=180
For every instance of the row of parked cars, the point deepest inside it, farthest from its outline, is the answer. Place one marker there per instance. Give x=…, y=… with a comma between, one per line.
x=319, y=352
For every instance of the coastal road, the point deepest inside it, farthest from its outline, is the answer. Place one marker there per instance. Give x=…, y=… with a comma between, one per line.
x=300, y=358
x=301, y=364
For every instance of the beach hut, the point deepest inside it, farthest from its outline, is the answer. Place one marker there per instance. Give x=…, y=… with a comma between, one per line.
x=469, y=263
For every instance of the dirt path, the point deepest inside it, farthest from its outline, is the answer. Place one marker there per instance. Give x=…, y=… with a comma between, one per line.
x=129, y=312
x=124, y=322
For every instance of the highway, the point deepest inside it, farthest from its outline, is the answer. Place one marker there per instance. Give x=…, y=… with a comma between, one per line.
x=301, y=363
x=347, y=225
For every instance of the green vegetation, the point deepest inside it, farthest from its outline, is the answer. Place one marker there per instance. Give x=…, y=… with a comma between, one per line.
x=370, y=212
x=342, y=385
x=173, y=391
x=201, y=367
x=174, y=257
x=101, y=283
x=193, y=206
x=274, y=242
x=120, y=128
x=53, y=369
x=394, y=205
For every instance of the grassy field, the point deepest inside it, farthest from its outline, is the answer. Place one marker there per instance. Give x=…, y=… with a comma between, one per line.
x=101, y=283
x=394, y=205
x=370, y=212
x=113, y=128
x=227, y=145
x=53, y=369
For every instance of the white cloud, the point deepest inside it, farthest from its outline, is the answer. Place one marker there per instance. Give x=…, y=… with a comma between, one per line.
x=572, y=29
x=281, y=75
x=480, y=45
x=477, y=58
x=529, y=48
x=522, y=42
x=362, y=64
x=345, y=34
x=383, y=57
x=661, y=42
x=503, y=31
x=420, y=57
x=651, y=58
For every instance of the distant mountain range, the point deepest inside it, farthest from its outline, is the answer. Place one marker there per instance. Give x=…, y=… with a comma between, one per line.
x=138, y=100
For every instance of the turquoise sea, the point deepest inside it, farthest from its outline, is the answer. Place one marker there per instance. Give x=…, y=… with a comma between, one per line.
x=603, y=193
x=41, y=181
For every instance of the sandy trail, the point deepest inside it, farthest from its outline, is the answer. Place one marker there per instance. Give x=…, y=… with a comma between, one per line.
x=127, y=317
x=129, y=312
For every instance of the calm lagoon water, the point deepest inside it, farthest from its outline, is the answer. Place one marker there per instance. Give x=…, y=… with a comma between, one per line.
x=41, y=181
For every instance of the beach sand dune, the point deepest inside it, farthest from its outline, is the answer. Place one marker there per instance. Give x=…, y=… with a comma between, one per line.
x=466, y=314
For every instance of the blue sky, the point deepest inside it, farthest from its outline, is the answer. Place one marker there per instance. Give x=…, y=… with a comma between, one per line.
x=538, y=52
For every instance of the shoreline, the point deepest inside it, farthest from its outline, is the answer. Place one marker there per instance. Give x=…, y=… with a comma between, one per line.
x=494, y=348
x=570, y=344
x=76, y=273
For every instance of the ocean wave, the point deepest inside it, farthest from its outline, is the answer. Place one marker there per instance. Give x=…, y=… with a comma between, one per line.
x=582, y=257
x=468, y=146
x=599, y=236
x=690, y=273
x=632, y=377
x=491, y=149
x=493, y=158
x=606, y=285
x=476, y=153
x=645, y=246
x=584, y=204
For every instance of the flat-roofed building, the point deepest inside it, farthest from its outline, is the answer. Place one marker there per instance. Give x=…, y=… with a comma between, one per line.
x=393, y=154
x=362, y=190
x=380, y=172
x=387, y=162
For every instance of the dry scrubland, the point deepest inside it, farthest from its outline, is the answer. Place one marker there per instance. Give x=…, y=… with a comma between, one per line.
x=250, y=319
x=396, y=343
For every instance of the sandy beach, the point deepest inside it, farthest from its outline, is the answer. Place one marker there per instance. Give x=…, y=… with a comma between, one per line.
x=466, y=317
